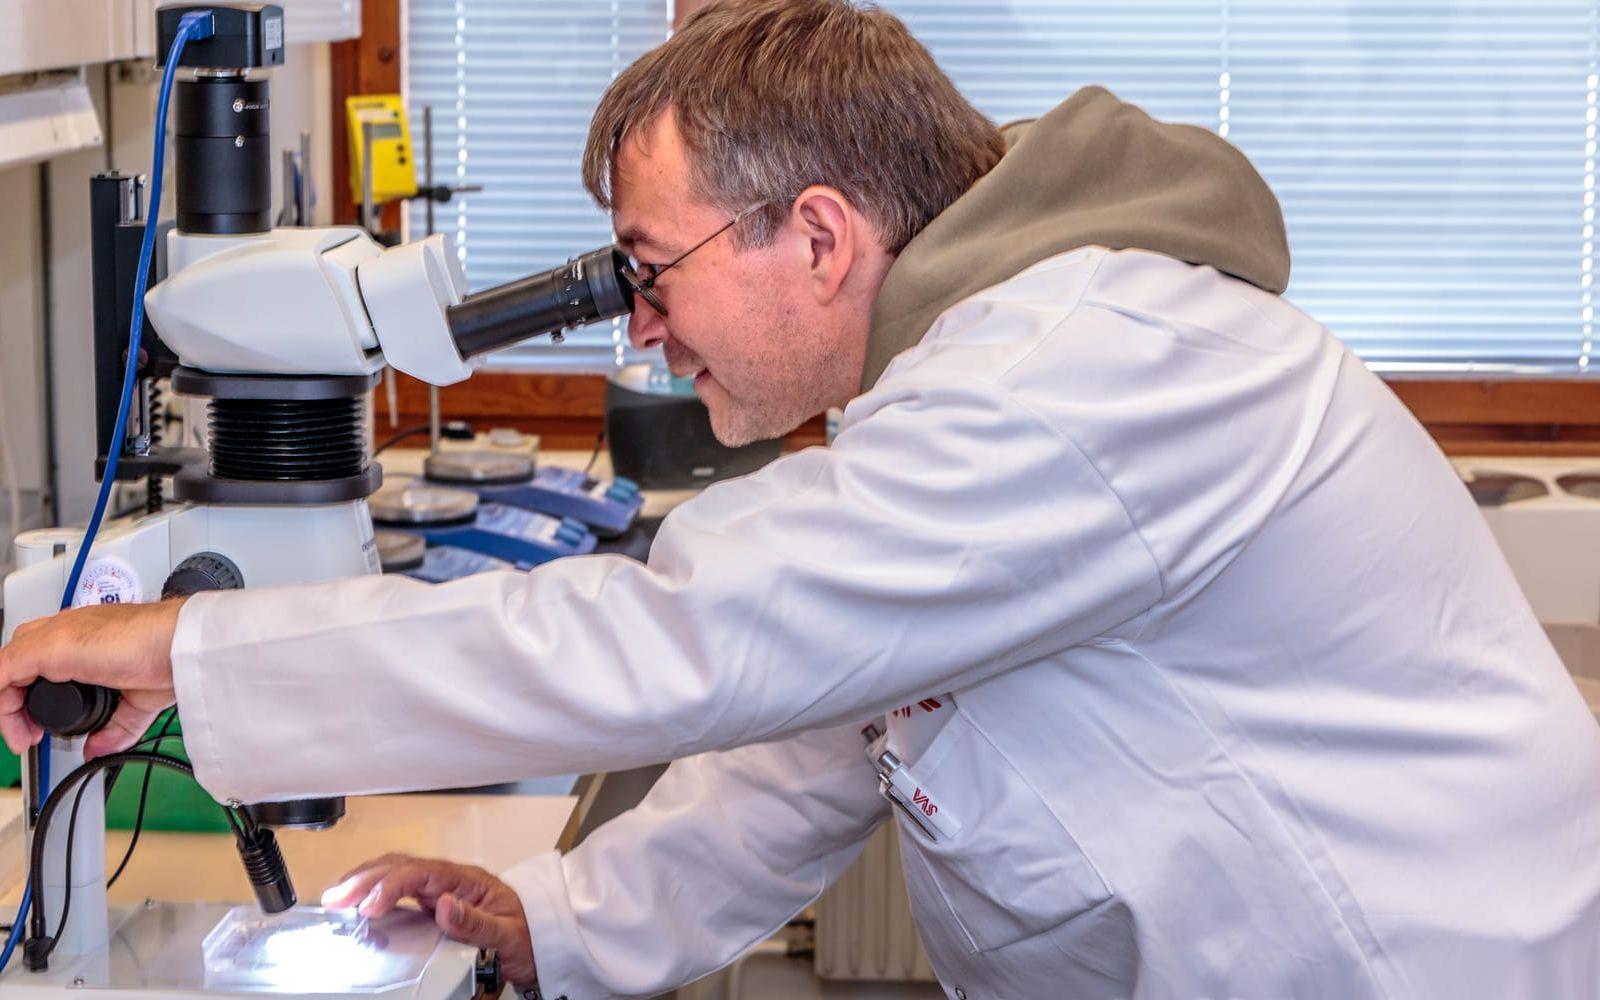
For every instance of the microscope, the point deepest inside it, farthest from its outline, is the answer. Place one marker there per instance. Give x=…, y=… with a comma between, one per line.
x=285, y=331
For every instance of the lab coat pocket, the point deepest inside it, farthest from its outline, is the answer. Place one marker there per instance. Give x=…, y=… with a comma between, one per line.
x=1013, y=870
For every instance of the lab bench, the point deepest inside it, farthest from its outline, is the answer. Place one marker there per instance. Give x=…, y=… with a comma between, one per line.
x=494, y=831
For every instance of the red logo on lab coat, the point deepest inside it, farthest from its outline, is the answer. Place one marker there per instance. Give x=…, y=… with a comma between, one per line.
x=926, y=704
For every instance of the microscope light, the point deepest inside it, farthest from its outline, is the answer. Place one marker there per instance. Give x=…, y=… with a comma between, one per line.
x=316, y=950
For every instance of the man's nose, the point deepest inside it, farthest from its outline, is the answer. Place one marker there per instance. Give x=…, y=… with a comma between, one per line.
x=646, y=328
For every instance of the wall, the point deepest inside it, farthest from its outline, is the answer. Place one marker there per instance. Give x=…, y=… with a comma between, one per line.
x=21, y=364
x=124, y=96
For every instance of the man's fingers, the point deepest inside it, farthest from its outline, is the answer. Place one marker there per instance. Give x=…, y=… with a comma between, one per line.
x=115, y=645
x=396, y=884
x=462, y=921
x=127, y=724
x=12, y=699
x=374, y=864
x=445, y=888
x=465, y=922
x=376, y=887
x=16, y=668
x=118, y=646
x=19, y=731
x=346, y=893
x=357, y=883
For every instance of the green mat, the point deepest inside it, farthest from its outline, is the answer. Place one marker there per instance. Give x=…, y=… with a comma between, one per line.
x=175, y=802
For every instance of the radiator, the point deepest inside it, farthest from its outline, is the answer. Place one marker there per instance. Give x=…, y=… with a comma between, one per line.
x=864, y=925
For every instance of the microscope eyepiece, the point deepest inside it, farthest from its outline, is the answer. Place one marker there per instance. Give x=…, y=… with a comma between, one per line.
x=586, y=289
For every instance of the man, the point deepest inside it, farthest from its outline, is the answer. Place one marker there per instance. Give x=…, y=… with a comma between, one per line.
x=1207, y=676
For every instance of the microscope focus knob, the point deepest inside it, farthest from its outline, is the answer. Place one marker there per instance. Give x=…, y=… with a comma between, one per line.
x=201, y=572
x=71, y=709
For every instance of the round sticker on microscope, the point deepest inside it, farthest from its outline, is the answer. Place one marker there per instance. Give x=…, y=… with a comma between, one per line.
x=107, y=580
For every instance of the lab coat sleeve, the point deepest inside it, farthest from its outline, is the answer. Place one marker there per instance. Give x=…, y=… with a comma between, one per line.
x=723, y=851
x=949, y=534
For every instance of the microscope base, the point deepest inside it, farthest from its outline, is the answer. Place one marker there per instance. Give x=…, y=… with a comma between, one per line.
x=161, y=950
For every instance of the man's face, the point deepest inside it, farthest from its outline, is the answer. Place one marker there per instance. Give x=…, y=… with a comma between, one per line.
x=765, y=355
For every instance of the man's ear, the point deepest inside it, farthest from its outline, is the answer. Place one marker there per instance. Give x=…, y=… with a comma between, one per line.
x=829, y=232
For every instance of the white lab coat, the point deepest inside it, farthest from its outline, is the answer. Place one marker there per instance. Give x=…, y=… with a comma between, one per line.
x=1235, y=694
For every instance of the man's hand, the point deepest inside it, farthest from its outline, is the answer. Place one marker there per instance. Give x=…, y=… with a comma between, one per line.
x=122, y=646
x=467, y=903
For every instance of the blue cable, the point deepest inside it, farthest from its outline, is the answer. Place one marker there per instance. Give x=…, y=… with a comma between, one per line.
x=192, y=27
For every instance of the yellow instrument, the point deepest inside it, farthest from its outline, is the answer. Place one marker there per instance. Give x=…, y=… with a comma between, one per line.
x=377, y=128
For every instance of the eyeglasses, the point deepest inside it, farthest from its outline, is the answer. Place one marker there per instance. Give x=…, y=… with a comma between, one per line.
x=644, y=287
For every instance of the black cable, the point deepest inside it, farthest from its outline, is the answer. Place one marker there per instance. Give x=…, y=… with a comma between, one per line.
x=256, y=846
x=66, y=881
x=233, y=821
x=153, y=740
x=399, y=436
x=599, y=439
x=36, y=860
x=72, y=828
x=37, y=951
x=116, y=772
x=144, y=794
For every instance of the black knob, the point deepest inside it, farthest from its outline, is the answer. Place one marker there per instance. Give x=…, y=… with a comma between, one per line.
x=486, y=973
x=71, y=708
x=201, y=572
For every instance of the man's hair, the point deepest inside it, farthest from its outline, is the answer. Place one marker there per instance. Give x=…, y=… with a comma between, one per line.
x=772, y=96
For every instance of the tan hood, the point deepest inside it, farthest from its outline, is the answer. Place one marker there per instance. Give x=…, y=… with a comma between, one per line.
x=1093, y=172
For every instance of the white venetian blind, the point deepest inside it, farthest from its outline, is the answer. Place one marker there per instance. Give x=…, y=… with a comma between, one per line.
x=513, y=84
x=320, y=20
x=1435, y=160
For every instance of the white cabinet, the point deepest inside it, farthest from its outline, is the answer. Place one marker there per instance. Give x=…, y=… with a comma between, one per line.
x=320, y=20
x=41, y=122
x=56, y=34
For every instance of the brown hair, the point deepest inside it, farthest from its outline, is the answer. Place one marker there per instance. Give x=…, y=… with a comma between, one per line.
x=772, y=96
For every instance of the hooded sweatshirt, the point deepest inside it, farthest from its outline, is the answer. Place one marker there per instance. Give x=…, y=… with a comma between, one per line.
x=1095, y=171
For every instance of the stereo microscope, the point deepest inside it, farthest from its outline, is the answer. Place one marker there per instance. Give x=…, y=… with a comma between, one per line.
x=286, y=331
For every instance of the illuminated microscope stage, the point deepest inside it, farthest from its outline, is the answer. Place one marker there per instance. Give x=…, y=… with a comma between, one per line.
x=224, y=949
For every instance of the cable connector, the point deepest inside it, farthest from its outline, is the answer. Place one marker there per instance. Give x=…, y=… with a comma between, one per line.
x=36, y=953
x=204, y=24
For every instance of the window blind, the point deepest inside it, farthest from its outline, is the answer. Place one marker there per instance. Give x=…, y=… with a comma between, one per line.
x=513, y=84
x=320, y=20
x=1435, y=160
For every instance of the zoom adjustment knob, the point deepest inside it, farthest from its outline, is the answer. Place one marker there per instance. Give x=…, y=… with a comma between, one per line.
x=201, y=572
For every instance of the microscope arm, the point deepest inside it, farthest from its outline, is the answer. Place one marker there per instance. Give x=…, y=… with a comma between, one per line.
x=333, y=302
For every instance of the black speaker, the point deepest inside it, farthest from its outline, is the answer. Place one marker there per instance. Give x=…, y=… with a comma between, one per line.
x=664, y=442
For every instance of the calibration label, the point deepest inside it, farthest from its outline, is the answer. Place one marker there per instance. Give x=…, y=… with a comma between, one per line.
x=107, y=580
